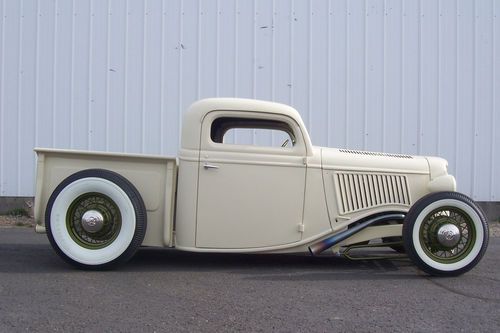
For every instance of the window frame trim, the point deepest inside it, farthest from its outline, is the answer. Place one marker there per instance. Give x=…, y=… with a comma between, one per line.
x=207, y=144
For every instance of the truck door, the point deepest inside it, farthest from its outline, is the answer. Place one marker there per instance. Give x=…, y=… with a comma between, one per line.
x=250, y=192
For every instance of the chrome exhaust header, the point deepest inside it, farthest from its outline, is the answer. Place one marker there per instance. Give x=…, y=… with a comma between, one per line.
x=327, y=243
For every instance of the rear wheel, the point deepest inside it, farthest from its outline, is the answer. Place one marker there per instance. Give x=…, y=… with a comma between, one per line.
x=95, y=219
x=445, y=233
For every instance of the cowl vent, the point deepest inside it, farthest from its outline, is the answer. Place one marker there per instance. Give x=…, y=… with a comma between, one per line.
x=360, y=152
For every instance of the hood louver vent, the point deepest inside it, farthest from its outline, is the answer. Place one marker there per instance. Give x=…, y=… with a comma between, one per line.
x=360, y=152
x=358, y=191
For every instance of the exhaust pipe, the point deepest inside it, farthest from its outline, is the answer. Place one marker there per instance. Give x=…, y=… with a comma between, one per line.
x=337, y=238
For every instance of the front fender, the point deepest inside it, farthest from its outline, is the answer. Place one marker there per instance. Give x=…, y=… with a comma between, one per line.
x=442, y=183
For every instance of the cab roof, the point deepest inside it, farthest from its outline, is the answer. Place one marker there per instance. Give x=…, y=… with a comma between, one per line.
x=191, y=126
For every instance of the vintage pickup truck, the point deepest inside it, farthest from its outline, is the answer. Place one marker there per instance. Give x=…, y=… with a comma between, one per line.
x=227, y=194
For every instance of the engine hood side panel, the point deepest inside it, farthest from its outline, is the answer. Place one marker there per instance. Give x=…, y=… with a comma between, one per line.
x=359, y=184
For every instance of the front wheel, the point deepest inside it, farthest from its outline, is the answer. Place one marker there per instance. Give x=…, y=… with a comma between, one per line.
x=445, y=233
x=95, y=219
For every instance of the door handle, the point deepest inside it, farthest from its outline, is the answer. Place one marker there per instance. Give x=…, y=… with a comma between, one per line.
x=210, y=166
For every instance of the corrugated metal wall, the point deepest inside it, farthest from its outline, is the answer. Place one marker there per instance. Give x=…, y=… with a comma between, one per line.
x=417, y=77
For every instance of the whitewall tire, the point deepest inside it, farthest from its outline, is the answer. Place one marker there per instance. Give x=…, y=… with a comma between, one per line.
x=95, y=219
x=445, y=233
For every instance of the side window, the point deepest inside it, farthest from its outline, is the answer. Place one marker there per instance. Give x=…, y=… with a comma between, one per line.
x=254, y=132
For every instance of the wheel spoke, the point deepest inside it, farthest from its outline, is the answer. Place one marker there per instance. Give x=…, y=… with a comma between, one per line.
x=102, y=205
x=434, y=247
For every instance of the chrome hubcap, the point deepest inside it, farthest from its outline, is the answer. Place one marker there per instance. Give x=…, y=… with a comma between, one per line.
x=92, y=221
x=448, y=235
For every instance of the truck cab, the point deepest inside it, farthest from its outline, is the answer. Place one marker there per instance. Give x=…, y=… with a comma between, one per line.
x=254, y=191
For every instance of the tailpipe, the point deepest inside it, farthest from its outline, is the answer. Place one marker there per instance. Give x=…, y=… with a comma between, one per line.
x=337, y=238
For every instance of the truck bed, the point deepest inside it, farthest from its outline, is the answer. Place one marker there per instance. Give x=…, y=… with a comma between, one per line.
x=155, y=177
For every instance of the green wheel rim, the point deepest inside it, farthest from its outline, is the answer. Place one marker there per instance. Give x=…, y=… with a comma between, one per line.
x=112, y=220
x=428, y=234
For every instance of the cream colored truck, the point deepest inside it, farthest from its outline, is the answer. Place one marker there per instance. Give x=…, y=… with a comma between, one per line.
x=217, y=196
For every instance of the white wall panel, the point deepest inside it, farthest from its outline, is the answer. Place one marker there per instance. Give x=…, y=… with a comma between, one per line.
x=392, y=74
x=27, y=126
x=416, y=77
x=410, y=75
x=338, y=74
x=494, y=177
x=483, y=97
x=376, y=57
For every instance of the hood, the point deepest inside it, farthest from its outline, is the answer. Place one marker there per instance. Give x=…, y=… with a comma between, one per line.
x=356, y=181
x=355, y=160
